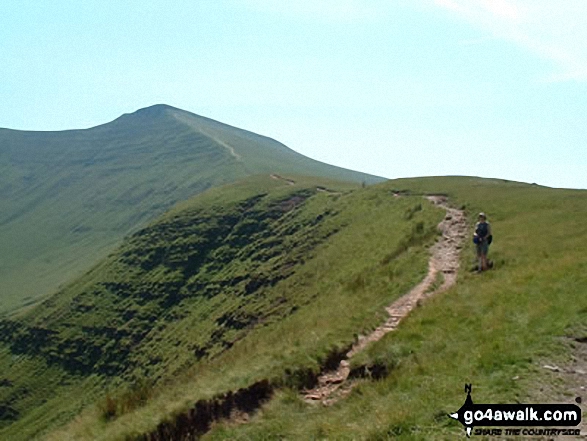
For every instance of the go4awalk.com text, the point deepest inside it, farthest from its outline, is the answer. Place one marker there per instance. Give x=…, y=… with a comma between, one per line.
x=518, y=419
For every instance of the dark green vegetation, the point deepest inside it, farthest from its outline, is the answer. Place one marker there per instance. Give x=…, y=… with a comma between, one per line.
x=254, y=280
x=262, y=280
x=68, y=197
x=493, y=330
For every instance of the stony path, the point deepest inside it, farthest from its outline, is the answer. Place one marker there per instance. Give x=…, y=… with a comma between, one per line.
x=444, y=259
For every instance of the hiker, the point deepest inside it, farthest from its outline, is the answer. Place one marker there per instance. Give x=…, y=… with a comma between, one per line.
x=482, y=238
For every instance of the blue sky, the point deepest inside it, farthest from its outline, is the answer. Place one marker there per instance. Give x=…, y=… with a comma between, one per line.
x=494, y=88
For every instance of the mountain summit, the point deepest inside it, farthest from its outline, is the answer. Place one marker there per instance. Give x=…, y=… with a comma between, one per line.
x=69, y=196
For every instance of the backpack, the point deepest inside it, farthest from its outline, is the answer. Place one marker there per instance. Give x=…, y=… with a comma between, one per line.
x=482, y=230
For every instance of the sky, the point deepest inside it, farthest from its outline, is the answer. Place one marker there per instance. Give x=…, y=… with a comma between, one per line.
x=396, y=88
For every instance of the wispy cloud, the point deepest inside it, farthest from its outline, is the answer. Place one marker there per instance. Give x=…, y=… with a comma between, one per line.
x=553, y=30
x=501, y=8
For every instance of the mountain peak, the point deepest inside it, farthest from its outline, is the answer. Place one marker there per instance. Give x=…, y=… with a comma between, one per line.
x=154, y=110
x=145, y=114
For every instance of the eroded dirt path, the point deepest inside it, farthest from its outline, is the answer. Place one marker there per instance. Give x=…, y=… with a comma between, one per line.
x=237, y=406
x=327, y=190
x=281, y=178
x=319, y=189
x=444, y=260
x=192, y=123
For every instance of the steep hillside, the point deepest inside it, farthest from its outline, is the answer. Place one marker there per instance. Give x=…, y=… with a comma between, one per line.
x=68, y=197
x=242, y=296
x=286, y=272
x=496, y=330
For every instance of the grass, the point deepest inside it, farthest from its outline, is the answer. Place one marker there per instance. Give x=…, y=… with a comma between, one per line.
x=490, y=330
x=132, y=397
x=68, y=198
x=340, y=259
x=254, y=280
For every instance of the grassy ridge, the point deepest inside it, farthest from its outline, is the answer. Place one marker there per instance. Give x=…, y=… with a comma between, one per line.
x=68, y=197
x=344, y=257
x=252, y=280
x=492, y=330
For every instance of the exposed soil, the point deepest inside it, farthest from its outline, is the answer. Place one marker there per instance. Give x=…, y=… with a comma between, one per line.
x=180, y=116
x=337, y=381
x=292, y=182
x=335, y=384
x=281, y=178
x=569, y=382
x=327, y=190
x=191, y=425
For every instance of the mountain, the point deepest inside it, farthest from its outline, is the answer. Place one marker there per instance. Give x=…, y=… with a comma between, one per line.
x=68, y=197
x=228, y=308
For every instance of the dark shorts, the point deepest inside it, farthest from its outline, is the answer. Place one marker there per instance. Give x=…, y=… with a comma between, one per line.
x=482, y=248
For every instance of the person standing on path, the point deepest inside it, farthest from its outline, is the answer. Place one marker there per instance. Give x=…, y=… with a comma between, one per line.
x=482, y=239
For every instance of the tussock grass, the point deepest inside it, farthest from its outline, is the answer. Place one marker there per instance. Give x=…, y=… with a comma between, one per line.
x=134, y=396
x=202, y=326
x=491, y=330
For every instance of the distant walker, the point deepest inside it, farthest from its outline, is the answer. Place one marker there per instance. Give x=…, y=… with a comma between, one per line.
x=482, y=238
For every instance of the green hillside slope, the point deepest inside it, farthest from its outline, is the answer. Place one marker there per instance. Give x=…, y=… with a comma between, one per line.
x=284, y=273
x=261, y=285
x=67, y=197
x=496, y=330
